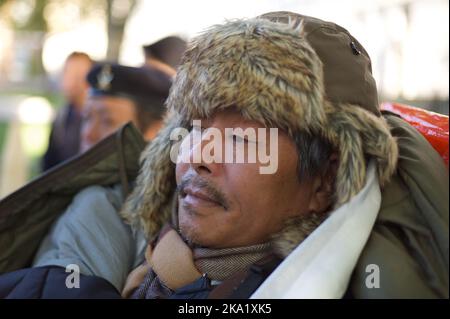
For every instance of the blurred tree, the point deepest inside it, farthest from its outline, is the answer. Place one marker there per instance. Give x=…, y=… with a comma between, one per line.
x=31, y=16
x=117, y=12
x=37, y=23
x=28, y=17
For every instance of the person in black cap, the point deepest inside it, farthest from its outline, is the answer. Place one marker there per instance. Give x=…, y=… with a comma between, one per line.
x=90, y=233
x=165, y=54
x=119, y=94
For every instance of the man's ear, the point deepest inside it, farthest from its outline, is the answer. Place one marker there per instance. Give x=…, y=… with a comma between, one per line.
x=323, y=187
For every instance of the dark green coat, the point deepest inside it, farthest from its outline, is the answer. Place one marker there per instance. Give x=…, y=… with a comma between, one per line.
x=27, y=214
x=410, y=239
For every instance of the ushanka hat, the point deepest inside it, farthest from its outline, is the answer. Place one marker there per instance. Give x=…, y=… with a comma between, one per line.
x=296, y=73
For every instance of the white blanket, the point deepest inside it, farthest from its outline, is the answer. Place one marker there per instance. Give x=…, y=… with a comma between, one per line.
x=321, y=266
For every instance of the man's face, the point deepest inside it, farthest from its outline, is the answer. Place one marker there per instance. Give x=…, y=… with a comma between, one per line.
x=102, y=116
x=233, y=204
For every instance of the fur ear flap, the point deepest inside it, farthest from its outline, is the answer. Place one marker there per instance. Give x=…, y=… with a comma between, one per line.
x=358, y=134
x=294, y=232
x=149, y=204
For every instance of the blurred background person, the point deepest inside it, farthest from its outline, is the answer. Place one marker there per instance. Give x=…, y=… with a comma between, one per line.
x=165, y=54
x=119, y=94
x=64, y=141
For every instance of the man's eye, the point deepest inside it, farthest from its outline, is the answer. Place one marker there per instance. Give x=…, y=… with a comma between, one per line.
x=239, y=139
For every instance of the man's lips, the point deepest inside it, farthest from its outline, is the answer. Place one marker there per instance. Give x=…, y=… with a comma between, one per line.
x=196, y=197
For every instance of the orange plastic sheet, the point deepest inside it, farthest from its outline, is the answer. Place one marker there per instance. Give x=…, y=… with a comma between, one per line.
x=433, y=126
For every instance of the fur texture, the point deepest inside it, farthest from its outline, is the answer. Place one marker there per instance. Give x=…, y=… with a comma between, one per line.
x=271, y=74
x=295, y=231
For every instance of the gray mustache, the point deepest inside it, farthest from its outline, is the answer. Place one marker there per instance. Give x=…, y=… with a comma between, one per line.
x=205, y=186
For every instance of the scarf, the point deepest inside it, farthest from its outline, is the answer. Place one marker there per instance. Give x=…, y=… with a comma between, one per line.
x=216, y=264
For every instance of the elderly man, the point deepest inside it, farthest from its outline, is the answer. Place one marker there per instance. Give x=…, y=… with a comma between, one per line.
x=219, y=228
x=333, y=200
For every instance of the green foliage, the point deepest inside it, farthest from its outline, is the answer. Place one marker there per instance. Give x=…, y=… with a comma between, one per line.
x=37, y=21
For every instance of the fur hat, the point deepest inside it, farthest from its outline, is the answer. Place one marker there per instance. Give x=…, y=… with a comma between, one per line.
x=272, y=74
x=346, y=64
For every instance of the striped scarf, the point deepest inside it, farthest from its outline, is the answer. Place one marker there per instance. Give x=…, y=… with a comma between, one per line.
x=217, y=264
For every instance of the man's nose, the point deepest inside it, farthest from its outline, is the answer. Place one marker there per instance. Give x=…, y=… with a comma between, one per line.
x=205, y=156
